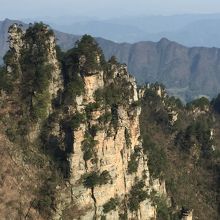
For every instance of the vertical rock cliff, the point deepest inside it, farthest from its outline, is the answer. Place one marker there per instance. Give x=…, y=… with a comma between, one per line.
x=32, y=63
x=109, y=176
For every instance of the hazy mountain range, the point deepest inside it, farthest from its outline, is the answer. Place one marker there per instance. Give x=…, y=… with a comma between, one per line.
x=186, y=72
x=189, y=29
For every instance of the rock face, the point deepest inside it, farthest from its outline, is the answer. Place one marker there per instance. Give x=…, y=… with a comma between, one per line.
x=92, y=83
x=56, y=84
x=114, y=150
x=15, y=44
x=15, y=39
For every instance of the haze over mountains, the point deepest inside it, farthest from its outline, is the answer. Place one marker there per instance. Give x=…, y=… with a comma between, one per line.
x=186, y=72
x=189, y=29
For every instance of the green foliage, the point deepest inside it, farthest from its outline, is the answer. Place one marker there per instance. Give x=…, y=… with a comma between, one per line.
x=198, y=132
x=162, y=117
x=163, y=212
x=5, y=81
x=103, y=217
x=98, y=95
x=113, y=60
x=148, y=144
x=174, y=102
x=60, y=53
x=69, y=124
x=136, y=104
x=127, y=138
x=83, y=58
x=90, y=108
x=23, y=126
x=113, y=94
x=134, y=161
x=93, y=179
x=114, y=121
x=38, y=33
x=154, y=109
x=201, y=103
x=94, y=129
x=17, y=130
x=10, y=60
x=74, y=87
x=105, y=118
x=88, y=147
x=110, y=205
x=46, y=195
x=104, y=178
x=132, y=165
x=157, y=158
x=36, y=72
x=123, y=216
x=88, y=47
x=151, y=91
x=187, y=175
x=137, y=195
x=11, y=133
x=57, y=148
x=151, y=96
x=76, y=120
x=39, y=105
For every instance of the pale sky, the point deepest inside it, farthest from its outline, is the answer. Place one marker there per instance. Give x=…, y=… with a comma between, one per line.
x=103, y=8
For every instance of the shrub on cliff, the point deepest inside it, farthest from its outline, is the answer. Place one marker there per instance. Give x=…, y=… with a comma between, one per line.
x=201, y=103
x=134, y=161
x=85, y=57
x=93, y=179
x=137, y=195
x=110, y=205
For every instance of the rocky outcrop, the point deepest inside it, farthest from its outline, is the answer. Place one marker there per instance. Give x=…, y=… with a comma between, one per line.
x=36, y=44
x=19, y=44
x=92, y=83
x=56, y=84
x=113, y=154
x=15, y=39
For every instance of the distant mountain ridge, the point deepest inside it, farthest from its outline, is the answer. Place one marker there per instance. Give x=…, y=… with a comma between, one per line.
x=186, y=72
x=187, y=29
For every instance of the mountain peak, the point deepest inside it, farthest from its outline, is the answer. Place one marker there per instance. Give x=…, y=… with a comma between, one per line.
x=164, y=41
